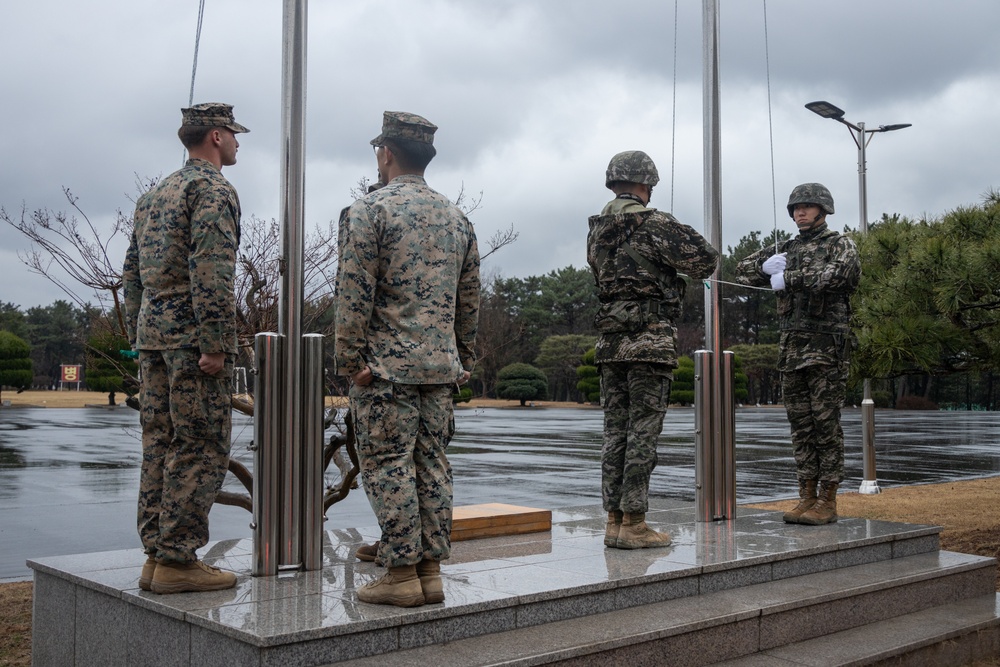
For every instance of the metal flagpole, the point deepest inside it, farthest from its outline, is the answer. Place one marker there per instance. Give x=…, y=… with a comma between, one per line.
x=292, y=223
x=715, y=479
x=289, y=415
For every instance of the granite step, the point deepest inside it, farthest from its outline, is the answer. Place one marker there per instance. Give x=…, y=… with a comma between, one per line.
x=957, y=633
x=727, y=624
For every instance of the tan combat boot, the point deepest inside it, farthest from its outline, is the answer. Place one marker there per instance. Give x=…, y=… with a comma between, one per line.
x=612, y=529
x=825, y=509
x=635, y=534
x=146, y=577
x=185, y=577
x=429, y=573
x=368, y=553
x=400, y=586
x=807, y=498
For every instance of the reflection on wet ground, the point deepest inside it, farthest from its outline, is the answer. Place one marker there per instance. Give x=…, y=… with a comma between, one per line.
x=69, y=477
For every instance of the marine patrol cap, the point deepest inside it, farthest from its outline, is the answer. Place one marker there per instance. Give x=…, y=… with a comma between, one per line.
x=402, y=125
x=211, y=114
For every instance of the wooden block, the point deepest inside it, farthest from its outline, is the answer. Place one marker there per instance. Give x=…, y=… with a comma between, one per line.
x=495, y=519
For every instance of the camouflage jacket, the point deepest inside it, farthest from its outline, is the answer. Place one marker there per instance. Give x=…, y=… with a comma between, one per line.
x=181, y=263
x=644, y=279
x=407, y=286
x=814, y=309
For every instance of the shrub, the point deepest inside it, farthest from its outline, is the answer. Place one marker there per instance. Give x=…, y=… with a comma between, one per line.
x=15, y=362
x=590, y=377
x=522, y=382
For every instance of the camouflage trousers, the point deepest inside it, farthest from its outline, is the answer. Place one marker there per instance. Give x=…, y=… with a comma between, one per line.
x=186, y=419
x=402, y=433
x=635, y=397
x=814, y=396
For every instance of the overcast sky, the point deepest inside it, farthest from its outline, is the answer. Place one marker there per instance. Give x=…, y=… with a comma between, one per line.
x=531, y=98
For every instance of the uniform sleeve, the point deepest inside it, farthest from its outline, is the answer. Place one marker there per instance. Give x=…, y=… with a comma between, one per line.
x=467, y=307
x=357, y=271
x=132, y=287
x=841, y=273
x=212, y=264
x=686, y=250
x=748, y=270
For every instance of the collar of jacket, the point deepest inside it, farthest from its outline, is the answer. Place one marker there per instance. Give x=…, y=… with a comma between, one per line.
x=814, y=232
x=200, y=162
x=629, y=195
x=407, y=178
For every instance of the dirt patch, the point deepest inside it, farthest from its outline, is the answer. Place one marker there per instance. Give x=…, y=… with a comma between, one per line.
x=57, y=399
x=15, y=623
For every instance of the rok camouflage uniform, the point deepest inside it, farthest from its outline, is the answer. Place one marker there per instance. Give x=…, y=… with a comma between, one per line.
x=179, y=303
x=407, y=308
x=636, y=254
x=814, y=311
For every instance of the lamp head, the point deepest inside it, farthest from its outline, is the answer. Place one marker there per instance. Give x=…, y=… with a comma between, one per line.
x=826, y=110
x=896, y=126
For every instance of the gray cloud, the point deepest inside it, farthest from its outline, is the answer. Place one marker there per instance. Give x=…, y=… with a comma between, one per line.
x=532, y=99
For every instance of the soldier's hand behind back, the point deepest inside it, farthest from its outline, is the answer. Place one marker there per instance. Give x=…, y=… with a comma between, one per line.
x=212, y=363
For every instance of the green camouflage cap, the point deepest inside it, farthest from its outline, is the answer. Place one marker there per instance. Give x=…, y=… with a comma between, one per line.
x=402, y=125
x=810, y=193
x=211, y=114
x=632, y=167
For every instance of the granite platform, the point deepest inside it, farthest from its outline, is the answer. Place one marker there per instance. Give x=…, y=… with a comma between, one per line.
x=728, y=590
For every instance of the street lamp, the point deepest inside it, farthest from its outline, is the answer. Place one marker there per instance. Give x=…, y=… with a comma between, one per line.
x=870, y=483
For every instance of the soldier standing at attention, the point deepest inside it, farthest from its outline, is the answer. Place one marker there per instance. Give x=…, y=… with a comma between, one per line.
x=636, y=254
x=181, y=317
x=813, y=276
x=407, y=313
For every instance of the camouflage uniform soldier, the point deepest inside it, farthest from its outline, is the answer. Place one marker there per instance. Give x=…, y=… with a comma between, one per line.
x=813, y=275
x=407, y=313
x=636, y=254
x=181, y=317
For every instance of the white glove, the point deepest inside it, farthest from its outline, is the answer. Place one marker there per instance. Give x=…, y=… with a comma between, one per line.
x=775, y=264
x=778, y=282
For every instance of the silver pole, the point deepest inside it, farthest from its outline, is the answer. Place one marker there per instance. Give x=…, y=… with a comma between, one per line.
x=267, y=436
x=712, y=162
x=312, y=461
x=869, y=485
x=704, y=480
x=713, y=230
x=727, y=380
x=293, y=83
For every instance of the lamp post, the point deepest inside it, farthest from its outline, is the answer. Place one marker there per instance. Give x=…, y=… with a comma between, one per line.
x=858, y=131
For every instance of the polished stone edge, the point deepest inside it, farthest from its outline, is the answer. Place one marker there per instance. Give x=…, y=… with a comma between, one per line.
x=40, y=565
x=395, y=619
x=114, y=574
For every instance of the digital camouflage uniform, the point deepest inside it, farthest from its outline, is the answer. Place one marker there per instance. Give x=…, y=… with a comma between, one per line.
x=635, y=351
x=408, y=308
x=814, y=311
x=179, y=303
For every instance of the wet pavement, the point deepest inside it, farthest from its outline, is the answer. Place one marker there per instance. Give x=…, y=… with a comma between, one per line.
x=69, y=477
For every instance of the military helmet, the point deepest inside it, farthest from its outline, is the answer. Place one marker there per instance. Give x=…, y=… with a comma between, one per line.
x=810, y=193
x=632, y=167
